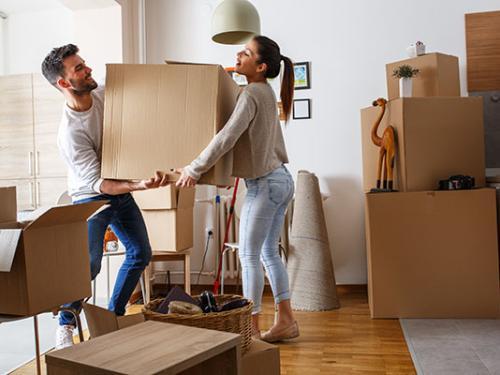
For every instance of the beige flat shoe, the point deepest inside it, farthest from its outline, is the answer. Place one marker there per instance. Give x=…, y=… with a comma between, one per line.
x=287, y=333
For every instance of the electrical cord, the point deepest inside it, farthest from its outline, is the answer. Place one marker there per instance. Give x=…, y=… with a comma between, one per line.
x=209, y=236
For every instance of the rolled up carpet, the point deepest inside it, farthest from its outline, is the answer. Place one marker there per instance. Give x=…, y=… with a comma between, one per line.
x=310, y=268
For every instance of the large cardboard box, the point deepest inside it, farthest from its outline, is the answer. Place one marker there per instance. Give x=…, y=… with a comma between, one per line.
x=262, y=359
x=101, y=321
x=159, y=117
x=43, y=263
x=436, y=138
x=438, y=76
x=433, y=254
x=168, y=214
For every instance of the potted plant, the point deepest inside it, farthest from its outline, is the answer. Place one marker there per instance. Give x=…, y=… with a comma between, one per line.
x=405, y=73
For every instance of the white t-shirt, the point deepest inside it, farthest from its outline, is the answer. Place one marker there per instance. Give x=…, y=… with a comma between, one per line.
x=80, y=143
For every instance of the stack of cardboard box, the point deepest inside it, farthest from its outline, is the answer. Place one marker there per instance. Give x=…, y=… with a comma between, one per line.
x=168, y=213
x=431, y=254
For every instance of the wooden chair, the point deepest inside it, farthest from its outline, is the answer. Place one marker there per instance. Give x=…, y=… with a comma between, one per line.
x=167, y=256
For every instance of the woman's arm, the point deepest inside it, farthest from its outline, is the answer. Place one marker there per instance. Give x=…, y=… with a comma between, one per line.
x=240, y=119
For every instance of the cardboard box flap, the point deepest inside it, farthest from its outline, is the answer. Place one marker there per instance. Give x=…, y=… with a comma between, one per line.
x=101, y=321
x=185, y=197
x=9, y=239
x=66, y=214
x=174, y=62
x=8, y=204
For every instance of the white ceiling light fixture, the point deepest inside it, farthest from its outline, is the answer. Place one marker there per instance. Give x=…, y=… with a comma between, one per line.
x=235, y=22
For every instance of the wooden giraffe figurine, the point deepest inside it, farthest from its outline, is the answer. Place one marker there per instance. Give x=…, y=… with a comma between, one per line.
x=387, y=146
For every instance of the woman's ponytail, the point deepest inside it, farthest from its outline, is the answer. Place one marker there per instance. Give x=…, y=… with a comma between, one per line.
x=287, y=87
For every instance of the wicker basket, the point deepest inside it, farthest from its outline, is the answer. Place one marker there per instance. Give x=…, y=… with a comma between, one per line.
x=236, y=321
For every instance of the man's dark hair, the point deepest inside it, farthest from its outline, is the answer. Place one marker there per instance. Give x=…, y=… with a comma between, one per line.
x=52, y=65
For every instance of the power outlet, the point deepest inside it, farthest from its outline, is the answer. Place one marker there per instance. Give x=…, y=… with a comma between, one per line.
x=209, y=232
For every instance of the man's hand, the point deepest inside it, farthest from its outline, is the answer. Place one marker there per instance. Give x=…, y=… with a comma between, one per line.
x=185, y=180
x=160, y=179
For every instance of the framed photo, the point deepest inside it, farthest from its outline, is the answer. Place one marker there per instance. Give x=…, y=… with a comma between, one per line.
x=301, y=109
x=301, y=72
x=240, y=79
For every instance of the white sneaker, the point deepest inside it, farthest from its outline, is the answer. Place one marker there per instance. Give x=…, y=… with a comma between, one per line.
x=64, y=336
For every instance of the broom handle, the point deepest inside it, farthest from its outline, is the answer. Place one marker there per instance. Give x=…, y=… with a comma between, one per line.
x=226, y=236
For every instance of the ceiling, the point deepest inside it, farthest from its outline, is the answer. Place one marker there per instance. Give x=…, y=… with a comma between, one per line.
x=24, y=6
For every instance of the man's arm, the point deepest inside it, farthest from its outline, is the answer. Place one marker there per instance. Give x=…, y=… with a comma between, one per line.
x=115, y=187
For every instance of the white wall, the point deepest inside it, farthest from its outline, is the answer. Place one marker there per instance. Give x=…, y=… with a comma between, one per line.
x=30, y=36
x=98, y=34
x=3, y=40
x=348, y=44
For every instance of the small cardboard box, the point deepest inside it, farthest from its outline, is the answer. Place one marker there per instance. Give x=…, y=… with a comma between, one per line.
x=262, y=359
x=159, y=117
x=168, y=214
x=43, y=263
x=101, y=321
x=438, y=76
x=435, y=139
x=433, y=254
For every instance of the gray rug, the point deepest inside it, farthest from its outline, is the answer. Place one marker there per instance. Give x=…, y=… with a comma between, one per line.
x=452, y=346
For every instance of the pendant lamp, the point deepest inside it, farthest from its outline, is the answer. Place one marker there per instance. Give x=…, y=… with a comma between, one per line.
x=235, y=22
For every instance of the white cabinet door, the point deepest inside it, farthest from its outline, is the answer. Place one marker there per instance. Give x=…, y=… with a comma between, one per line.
x=48, y=190
x=25, y=190
x=48, y=103
x=16, y=127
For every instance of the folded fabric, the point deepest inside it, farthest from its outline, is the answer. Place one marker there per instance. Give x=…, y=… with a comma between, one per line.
x=175, y=294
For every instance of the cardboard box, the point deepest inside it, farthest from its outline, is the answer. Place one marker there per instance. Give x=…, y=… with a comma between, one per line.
x=101, y=321
x=168, y=214
x=43, y=263
x=436, y=138
x=433, y=254
x=438, y=76
x=165, y=198
x=262, y=359
x=159, y=117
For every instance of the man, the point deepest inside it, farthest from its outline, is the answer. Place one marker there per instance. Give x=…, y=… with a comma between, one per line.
x=80, y=141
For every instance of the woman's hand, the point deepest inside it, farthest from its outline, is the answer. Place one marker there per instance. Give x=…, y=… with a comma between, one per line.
x=185, y=180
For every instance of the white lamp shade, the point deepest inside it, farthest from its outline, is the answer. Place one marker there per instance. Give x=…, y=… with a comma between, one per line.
x=235, y=22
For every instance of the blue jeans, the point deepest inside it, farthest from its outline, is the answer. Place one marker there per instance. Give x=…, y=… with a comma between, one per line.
x=262, y=218
x=127, y=223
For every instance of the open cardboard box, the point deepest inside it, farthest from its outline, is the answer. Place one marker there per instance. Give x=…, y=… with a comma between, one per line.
x=43, y=263
x=101, y=321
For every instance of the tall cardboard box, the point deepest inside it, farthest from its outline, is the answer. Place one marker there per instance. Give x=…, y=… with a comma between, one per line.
x=43, y=263
x=433, y=254
x=168, y=214
x=436, y=138
x=438, y=76
x=158, y=117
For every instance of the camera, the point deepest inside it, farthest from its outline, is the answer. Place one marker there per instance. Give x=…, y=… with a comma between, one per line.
x=457, y=182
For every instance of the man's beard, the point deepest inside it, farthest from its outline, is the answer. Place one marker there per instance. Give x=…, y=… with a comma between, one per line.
x=80, y=88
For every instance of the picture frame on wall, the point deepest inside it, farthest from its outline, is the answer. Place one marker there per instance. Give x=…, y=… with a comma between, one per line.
x=301, y=109
x=302, y=76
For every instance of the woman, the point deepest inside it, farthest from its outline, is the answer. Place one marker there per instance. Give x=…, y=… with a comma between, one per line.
x=254, y=133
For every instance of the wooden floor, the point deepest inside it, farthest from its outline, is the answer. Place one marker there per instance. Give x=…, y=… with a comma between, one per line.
x=344, y=341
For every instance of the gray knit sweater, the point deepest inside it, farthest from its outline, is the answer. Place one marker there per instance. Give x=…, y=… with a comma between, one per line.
x=253, y=132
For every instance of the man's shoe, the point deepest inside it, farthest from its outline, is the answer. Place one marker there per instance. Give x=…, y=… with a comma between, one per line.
x=64, y=336
x=287, y=333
